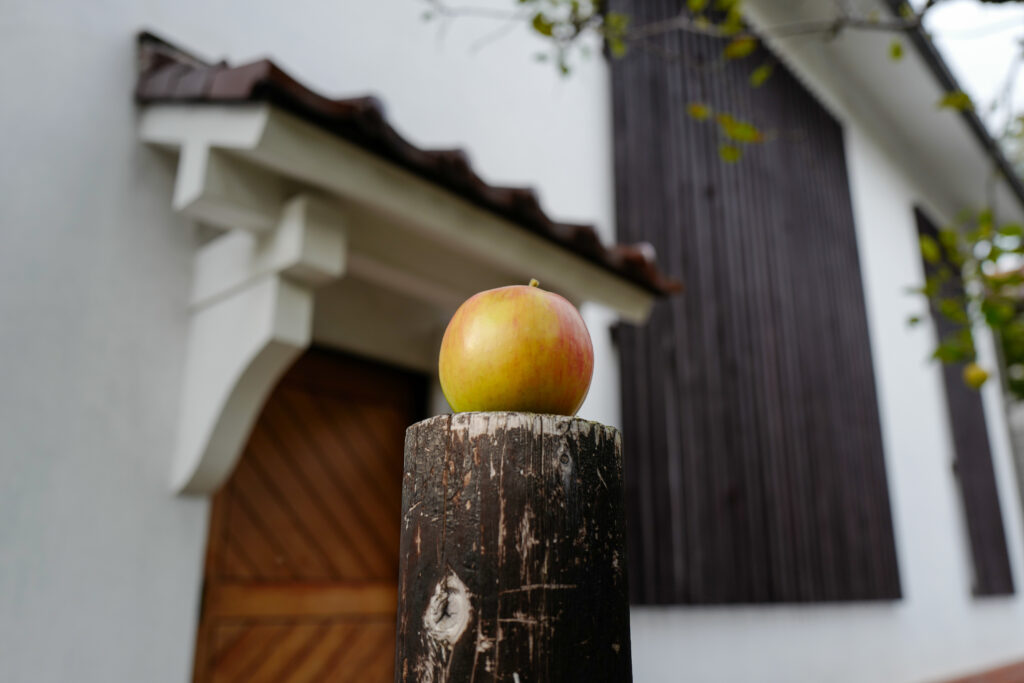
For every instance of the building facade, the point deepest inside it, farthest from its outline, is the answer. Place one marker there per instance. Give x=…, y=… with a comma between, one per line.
x=107, y=516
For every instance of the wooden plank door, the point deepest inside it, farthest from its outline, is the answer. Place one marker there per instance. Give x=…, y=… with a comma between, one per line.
x=302, y=557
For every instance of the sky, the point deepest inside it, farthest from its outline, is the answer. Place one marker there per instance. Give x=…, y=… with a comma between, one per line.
x=979, y=41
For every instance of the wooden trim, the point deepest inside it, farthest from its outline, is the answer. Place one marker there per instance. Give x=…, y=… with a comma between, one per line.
x=332, y=599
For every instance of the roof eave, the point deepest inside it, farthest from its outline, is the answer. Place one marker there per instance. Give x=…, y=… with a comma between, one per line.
x=169, y=75
x=948, y=159
x=238, y=162
x=940, y=69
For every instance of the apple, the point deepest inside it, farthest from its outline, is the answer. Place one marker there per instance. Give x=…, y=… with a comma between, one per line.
x=974, y=375
x=517, y=348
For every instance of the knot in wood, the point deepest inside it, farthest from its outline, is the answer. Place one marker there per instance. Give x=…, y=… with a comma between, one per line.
x=448, y=611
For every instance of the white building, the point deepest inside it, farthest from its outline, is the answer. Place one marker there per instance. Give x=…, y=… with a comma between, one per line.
x=165, y=261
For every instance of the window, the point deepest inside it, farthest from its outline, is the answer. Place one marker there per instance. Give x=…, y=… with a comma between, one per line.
x=754, y=462
x=972, y=460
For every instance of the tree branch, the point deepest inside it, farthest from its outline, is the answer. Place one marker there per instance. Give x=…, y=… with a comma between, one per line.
x=445, y=10
x=684, y=22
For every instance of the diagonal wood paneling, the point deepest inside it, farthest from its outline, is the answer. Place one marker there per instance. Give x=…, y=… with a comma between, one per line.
x=755, y=469
x=303, y=551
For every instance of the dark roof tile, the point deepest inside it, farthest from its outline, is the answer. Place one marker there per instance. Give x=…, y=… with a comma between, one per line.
x=169, y=74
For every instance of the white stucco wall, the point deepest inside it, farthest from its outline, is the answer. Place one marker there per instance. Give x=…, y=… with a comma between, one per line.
x=99, y=564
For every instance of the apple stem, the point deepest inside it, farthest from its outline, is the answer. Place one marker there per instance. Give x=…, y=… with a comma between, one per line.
x=533, y=282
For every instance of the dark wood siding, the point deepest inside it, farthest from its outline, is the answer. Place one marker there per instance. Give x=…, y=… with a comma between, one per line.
x=755, y=469
x=973, y=461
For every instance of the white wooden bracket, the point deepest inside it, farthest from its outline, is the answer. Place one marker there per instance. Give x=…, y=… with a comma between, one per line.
x=252, y=314
x=218, y=190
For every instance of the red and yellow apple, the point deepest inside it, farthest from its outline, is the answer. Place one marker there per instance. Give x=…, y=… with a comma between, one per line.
x=517, y=348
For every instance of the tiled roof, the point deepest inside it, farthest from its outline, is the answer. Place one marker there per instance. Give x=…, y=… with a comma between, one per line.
x=169, y=74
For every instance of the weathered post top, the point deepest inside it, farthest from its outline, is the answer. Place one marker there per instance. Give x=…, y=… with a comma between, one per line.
x=513, y=562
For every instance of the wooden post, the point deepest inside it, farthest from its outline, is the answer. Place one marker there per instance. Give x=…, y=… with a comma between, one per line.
x=513, y=558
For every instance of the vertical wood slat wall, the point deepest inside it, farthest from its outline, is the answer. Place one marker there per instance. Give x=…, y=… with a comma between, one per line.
x=755, y=469
x=973, y=461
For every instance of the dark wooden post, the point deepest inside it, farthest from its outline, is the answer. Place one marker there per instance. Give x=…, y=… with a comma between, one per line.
x=513, y=558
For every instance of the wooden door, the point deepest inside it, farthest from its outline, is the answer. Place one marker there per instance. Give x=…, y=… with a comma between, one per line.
x=302, y=558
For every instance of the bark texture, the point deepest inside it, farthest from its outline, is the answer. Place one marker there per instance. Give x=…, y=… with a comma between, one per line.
x=513, y=559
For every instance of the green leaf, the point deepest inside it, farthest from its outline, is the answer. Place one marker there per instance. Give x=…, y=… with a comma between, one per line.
x=1012, y=230
x=896, y=51
x=956, y=348
x=1013, y=339
x=616, y=23
x=957, y=99
x=761, y=74
x=740, y=131
x=964, y=215
x=997, y=311
x=906, y=11
x=949, y=352
x=725, y=5
x=740, y=47
x=732, y=23
x=617, y=47
x=953, y=309
x=542, y=25
x=696, y=6
x=1013, y=278
x=950, y=239
x=698, y=111
x=930, y=250
x=966, y=338
x=984, y=229
x=729, y=153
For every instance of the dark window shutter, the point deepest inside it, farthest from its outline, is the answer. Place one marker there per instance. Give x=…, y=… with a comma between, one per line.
x=973, y=464
x=755, y=469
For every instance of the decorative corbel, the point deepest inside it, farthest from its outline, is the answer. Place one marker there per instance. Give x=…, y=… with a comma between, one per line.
x=252, y=313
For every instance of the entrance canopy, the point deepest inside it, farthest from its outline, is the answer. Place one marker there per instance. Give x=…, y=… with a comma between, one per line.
x=334, y=228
